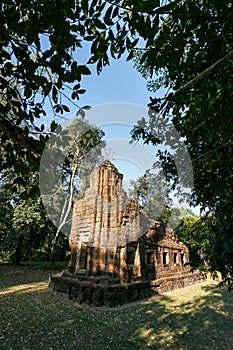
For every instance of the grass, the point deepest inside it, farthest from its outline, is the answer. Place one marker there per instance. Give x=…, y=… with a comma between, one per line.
x=196, y=317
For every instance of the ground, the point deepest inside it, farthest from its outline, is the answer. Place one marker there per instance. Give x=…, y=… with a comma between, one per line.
x=33, y=318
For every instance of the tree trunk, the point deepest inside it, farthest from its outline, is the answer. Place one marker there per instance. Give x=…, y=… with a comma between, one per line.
x=18, y=251
x=64, y=214
x=53, y=249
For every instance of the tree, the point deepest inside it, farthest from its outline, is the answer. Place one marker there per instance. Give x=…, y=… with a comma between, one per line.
x=186, y=46
x=6, y=213
x=69, y=157
x=196, y=232
x=29, y=222
x=154, y=196
x=39, y=60
x=190, y=54
x=24, y=224
x=32, y=68
x=152, y=193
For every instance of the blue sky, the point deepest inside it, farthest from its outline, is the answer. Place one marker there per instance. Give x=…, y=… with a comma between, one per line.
x=118, y=86
x=118, y=83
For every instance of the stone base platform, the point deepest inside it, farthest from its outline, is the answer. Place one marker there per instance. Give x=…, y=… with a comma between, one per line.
x=105, y=291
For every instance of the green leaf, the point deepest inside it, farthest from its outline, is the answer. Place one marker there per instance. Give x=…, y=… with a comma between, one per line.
x=84, y=5
x=89, y=37
x=74, y=95
x=99, y=66
x=27, y=91
x=84, y=70
x=130, y=56
x=54, y=94
x=115, y=12
x=66, y=108
x=76, y=87
x=47, y=88
x=99, y=24
x=107, y=17
x=134, y=43
x=81, y=91
x=53, y=126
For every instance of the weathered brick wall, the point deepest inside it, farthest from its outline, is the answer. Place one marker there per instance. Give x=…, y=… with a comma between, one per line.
x=106, y=217
x=110, y=234
x=95, y=292
x=118, y=255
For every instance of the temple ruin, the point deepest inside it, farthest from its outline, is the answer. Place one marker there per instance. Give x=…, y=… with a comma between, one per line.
x=118, y=254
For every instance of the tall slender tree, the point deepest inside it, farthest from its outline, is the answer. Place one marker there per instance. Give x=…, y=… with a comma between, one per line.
x=185, y=46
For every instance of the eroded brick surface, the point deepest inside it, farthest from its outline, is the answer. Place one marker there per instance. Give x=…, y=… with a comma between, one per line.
x=118, y=254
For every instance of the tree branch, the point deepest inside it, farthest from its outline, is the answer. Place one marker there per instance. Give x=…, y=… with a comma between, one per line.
x=65, y=212
x=227, y=144
x=163, y=10
x=18, y=135
x=199, y=77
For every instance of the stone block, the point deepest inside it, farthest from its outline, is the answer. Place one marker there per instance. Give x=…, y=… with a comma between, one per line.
x=115, y=247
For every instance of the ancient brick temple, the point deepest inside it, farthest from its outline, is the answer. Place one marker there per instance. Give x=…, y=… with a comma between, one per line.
x=118, y=254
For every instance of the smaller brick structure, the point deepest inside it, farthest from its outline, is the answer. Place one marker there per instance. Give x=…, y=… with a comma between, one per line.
x=118, y=254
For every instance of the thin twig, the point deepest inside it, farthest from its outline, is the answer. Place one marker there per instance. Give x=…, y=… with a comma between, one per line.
x=227, y=144
x=199, y=77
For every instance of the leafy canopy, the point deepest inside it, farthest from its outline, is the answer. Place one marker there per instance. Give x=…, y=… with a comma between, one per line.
x=185, y=47
x=191, y=56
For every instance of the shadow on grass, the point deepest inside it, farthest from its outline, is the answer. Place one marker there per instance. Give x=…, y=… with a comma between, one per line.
x=12, y=275
x=201, y=322
x=198, y=317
